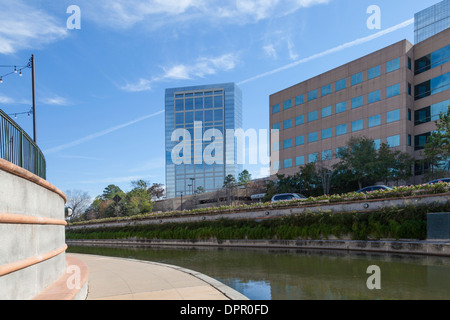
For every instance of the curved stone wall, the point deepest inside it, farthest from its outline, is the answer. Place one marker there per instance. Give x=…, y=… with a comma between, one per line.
x=32, y=233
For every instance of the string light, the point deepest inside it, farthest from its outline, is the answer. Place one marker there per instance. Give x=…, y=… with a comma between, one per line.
x=16, y=69
x=15, y=114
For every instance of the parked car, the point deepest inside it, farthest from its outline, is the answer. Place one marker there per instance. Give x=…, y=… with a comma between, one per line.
x=440, y=180
x=373, y=188
x=287, y=197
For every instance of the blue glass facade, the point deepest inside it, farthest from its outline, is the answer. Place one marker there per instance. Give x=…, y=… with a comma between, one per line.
x=198, y=111
x=431, y=21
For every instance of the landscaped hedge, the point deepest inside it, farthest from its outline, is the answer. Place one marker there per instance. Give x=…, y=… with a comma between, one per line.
x=397, y=192
x=408, y=222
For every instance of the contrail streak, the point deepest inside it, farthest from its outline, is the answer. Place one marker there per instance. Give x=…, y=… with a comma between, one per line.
x=333, y=50
x=101, y=133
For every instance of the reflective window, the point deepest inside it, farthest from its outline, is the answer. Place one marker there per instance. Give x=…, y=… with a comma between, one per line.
x=342, y=129
x=393, y=142
x=393, y=116
x=420, y=141
x=198, y=103
x=341, y=107
x=357, y=125
x=288, y=104
x=393, y=65
x=218, y=102
x=326, y=112
x=300, y=120
x=300, y=161
x=327, y=155
x=326, y=90
x=299, y=100
x=276, y=126
x=288, y=143
x=288, y=163
x=432, y=60
x=357, y=78
x=326, y=133
x=393, y=90
x=341, y=84
x=377, y=144
x=179, y=105
x=374, y=121
x=287, y=124
x=433, y=86
x=374, y=96
x=299, y=141
x=312, y=95
x=189, y=104
x=374, y=72
x=313, y=157
x=431, y=113
x=312, y=137
x=276, y=108
x=357, y=102
x=312, y=116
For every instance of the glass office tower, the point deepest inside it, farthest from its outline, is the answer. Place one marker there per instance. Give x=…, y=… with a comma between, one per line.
x=199, y=116
x=431, y=21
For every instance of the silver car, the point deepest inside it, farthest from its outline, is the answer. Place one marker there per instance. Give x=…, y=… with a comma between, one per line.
x=287, y=197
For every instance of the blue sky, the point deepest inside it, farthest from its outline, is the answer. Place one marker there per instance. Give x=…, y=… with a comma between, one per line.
x=100, y=89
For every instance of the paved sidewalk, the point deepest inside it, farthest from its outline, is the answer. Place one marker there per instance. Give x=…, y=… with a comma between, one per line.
x=127, y=279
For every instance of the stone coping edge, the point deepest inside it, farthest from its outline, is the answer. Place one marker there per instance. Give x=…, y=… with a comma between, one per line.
x=66, y=288
x=27, y=175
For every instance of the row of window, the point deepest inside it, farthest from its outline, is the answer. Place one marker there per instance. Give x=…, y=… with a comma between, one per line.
x=357, y=102
x=432, y=86
x=430, y=113
x=356, y=126
x=432, y=60
x=340, y=107
x=339, y=85
x=198, y=103
x=392, y=142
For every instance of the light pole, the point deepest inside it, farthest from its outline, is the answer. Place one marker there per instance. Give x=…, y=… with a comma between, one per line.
x=33, y=88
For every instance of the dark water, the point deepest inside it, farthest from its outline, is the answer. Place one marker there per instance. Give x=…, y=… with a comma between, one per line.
x=263, y=274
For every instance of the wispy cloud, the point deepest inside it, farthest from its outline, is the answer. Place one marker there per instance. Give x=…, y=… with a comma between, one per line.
x=141, y=85
x=332, y=50
x=24, y=26
x=202, y=67
x=55, y=101
x=100, y=134
x=123, y=14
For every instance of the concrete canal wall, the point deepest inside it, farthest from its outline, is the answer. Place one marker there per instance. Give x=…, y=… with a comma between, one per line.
x=32, y=234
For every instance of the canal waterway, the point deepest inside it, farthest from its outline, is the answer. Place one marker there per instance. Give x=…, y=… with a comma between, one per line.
x=263, y=274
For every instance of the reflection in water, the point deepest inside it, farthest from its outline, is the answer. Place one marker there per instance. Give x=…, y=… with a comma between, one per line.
x=266, y=274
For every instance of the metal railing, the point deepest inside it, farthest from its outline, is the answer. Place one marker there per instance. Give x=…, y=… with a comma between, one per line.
x=18, y=148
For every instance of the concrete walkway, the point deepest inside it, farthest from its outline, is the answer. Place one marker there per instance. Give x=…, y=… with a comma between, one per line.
x=126, y=279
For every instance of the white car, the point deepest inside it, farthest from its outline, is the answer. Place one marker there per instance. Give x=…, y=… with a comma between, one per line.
x=287, y=197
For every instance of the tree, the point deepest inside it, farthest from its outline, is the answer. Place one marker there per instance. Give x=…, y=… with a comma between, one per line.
x=359, y=157
x=111, y=191
x=437, y=148
x=200, y=190
x=156, y=191
x=244, y=177
x=79, y=201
